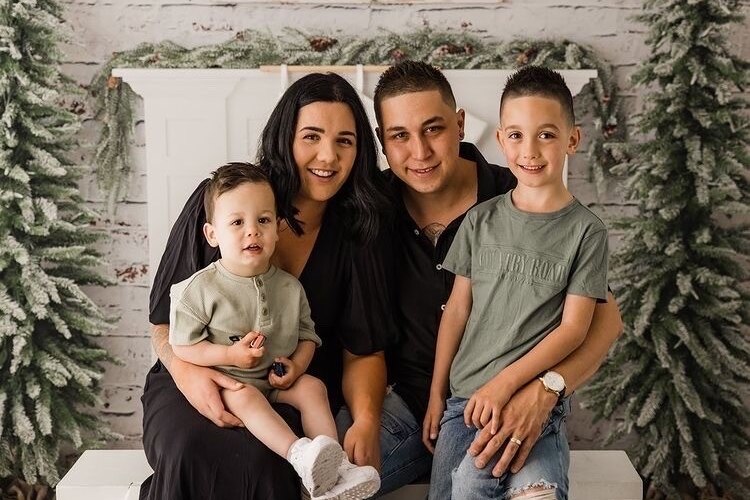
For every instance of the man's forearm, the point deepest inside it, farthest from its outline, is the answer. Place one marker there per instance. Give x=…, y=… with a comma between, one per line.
x=606, y=326
x=160, y=343
x=364, y=384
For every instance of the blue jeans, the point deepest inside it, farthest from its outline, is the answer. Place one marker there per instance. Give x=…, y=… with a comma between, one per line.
x=454, y=474
x=403, y=456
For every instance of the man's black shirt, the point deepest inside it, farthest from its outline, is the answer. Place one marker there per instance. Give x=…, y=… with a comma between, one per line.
x=423, y=287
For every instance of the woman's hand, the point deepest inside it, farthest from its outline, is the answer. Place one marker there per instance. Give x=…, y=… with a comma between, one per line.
x=202, y=386
x=431, y=423
x=522, y=418
x=362, y=442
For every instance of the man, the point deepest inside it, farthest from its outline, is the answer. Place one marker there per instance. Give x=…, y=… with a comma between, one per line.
x=438, y=179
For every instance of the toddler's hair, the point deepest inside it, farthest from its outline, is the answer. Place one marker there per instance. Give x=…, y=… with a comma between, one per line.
x=228, y=177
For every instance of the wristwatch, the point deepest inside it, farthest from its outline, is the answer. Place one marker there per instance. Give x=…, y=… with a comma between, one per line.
x=553, y=382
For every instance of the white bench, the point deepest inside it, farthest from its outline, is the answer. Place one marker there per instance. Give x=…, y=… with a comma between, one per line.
x=117, y=475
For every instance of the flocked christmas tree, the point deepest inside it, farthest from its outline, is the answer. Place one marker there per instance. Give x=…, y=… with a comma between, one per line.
x=680, y=371
x=49, y=365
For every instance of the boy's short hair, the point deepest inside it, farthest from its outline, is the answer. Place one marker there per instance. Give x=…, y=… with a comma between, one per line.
x=408, y=76
x=228, y=177
x=543, y=82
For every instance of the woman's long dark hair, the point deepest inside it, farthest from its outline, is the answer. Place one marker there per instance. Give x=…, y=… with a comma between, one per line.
x=363, y=200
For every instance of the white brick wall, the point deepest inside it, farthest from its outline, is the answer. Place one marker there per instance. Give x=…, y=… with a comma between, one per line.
x=100, y=27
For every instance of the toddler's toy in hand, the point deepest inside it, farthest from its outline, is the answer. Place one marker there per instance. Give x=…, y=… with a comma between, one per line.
x=278, y=369
x=256, y=343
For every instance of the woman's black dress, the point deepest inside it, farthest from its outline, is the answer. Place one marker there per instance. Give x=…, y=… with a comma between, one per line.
x=348, y=289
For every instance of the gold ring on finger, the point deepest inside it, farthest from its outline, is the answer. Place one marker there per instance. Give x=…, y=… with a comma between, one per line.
x=515, y=440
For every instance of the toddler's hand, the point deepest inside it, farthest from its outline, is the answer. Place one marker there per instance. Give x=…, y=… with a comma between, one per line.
x=242, y=354
x=292, y=373
x=431, y=424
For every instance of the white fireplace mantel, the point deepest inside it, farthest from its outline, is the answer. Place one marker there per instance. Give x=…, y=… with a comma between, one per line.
x=198, y=119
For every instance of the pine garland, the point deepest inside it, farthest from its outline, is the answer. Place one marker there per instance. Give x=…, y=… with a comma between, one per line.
x=49, y=365
x=679, y=375
x=251, y=49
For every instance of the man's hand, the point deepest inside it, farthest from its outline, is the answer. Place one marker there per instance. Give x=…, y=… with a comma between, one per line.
x=201, y=386
x=431, y=423
x=522, y=418
x=362, y=442
x=486, y=404
x=291, y=373
x=242, y=355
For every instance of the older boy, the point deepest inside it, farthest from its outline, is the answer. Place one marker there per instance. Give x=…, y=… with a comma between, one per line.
x=438, y=178
x=529, y=266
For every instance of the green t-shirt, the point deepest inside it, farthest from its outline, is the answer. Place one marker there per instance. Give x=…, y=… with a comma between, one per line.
x=521, y=267
x=214, y=304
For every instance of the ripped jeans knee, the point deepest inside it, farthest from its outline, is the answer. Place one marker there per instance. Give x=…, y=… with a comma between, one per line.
x=539, y=490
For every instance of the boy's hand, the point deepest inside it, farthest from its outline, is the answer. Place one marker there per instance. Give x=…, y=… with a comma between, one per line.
x=293, y=372
x=431, y=424
x=485, y=405
x=242, y=355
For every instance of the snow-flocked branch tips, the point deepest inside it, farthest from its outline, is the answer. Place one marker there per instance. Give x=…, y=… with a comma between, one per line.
x=49, y=363
x=679, y=374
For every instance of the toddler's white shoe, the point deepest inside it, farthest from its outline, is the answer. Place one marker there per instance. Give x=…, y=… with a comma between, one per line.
x=317, y=462
x=355, y=483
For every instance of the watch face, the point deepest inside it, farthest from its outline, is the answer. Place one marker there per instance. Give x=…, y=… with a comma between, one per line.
x=554, y=381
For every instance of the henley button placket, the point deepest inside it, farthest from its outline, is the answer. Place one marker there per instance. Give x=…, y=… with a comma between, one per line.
x=264, y=321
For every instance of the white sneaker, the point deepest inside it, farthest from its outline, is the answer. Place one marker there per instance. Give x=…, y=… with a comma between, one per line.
x=355, y=483
x=317, y=462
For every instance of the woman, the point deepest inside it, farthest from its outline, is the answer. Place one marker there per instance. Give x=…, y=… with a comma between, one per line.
x=319, y=151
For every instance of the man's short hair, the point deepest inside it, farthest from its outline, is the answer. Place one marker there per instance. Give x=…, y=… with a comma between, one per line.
x=408, y=76
x=228, y=177
x=543, y=82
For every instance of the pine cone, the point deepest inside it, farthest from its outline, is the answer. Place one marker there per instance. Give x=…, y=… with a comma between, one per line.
x=526, y=56
x=441, y=51
x=398, y=54
x=77, y=107
x=113, y=82
x=322, y=43
x=609, y=130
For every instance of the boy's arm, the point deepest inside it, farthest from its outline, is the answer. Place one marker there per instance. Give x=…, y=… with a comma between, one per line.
x=298, y=362
x=555, y=347
x=450, y=333
x=303, y=355
x=203, y=353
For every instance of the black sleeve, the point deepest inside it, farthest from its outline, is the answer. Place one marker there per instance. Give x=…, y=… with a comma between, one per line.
x=186, y=252
x=507, y=180
x=367, y=323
